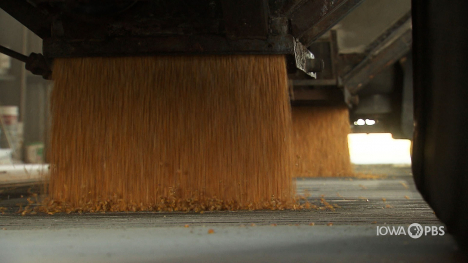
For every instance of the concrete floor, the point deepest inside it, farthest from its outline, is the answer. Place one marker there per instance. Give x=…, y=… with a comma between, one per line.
x=348, y=234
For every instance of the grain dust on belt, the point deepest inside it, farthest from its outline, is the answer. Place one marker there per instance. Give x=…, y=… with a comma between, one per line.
x=320, y=140
x=164, y=133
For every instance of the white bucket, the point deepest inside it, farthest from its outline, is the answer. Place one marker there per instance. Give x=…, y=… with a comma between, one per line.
x=35, y=153
x=9, y=110
x=9, y=115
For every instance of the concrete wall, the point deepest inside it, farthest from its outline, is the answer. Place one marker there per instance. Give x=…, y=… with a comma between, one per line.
x=11, y=36
x=22, y=89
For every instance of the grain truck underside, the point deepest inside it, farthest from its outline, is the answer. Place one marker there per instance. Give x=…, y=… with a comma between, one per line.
x=304, y=30
x=222, y=27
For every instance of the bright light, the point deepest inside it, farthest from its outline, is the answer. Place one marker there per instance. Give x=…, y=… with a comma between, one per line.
x=378, y=148
x=370, y=122
x=360, y=122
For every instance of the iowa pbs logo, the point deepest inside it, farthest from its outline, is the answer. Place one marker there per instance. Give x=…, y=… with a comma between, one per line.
x=414, y=230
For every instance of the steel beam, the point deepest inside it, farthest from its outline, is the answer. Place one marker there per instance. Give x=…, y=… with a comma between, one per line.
x=385, y=51
x=313, y=18
x=327, y=96
x=314, y=82
x=169, y=45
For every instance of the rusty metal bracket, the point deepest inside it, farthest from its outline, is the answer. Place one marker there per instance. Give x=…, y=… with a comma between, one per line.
x=305, y=60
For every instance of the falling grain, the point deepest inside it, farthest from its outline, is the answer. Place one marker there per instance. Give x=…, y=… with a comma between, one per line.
x=192, y=133
x=321, y=142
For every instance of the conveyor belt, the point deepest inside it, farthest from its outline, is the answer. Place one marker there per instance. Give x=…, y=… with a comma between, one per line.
x=347, y=234
x=391, y=199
